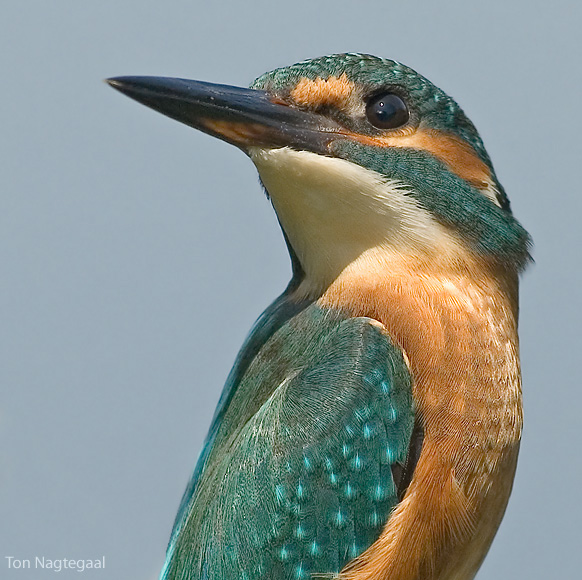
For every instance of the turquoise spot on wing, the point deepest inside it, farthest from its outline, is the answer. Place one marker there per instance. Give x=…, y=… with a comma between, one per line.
x=302, y=571
x=374, y=519
x=339, y=518
x=354, y=550
x=300, y=532
x=369, y=431
x=390, y=454
x=286, y=553
x=350, y=491
x=386, y=387
x=357, y=463
x=392, y=414
x=379, y=492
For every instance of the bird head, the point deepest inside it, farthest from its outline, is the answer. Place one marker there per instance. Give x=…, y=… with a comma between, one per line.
x=365, y=161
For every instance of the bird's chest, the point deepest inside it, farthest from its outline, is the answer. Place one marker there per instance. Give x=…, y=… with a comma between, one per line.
x=460, y=338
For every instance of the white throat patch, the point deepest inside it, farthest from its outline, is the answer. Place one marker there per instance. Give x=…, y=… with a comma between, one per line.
x=336, y=213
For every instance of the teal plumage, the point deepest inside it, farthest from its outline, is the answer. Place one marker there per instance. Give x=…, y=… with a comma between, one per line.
x=299, y=480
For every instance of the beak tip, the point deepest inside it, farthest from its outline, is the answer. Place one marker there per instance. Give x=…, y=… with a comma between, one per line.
x=115, y=82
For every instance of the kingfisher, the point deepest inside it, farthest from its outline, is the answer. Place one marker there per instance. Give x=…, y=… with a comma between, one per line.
x=370, y=426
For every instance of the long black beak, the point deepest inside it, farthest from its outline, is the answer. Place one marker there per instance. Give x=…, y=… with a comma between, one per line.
x=243, y=117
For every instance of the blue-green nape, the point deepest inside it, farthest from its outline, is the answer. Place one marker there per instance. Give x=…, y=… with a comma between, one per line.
x=489, y=230
x=299, y=477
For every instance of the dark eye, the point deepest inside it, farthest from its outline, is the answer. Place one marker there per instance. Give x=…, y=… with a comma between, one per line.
x=387, y=111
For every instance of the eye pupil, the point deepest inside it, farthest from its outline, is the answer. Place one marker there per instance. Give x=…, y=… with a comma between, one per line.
x=387, y=111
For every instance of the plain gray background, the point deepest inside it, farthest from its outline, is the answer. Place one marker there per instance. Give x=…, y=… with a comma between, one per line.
x=136, y=253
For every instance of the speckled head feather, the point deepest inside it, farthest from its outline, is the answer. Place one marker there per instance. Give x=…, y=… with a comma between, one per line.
x=438, y=155
x=369, y=75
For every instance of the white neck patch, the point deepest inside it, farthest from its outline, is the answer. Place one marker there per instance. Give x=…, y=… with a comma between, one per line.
x=334, y=211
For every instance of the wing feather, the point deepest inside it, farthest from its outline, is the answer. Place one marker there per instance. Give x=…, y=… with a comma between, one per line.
x=299, y=479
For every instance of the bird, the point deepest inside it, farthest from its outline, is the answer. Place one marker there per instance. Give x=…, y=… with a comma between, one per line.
x=370, y=426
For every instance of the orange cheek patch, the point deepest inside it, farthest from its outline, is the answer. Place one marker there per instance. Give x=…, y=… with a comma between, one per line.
x=334, y=91
x=458, y=155
x=235, y=132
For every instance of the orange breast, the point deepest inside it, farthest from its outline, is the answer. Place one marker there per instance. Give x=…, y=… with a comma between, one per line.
x=458, y=329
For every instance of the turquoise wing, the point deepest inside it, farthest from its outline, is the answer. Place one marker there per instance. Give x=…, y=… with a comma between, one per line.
x=300, y=477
